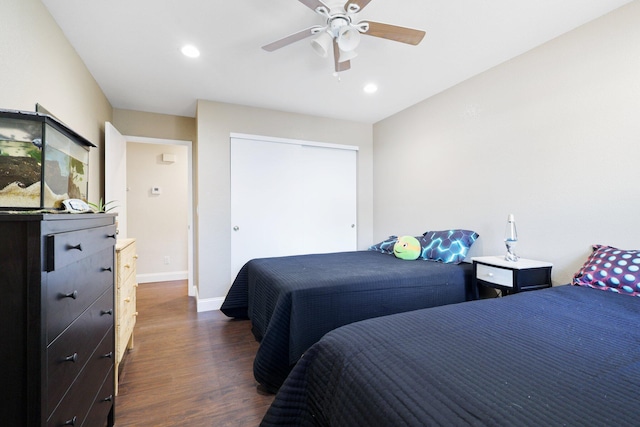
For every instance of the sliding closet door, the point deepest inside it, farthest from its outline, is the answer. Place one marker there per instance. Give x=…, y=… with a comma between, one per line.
x=290, y=198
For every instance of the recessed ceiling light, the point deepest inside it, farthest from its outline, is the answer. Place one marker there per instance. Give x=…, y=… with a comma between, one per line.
x=190, y=51
x=370, y=88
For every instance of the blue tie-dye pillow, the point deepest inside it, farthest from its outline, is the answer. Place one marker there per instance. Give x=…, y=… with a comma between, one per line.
x=448, y=246
x=611, y=269
x=386, y=246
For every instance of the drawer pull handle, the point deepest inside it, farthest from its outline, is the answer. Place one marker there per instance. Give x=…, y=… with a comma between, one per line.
x=72, y=295
x=127, y=266
x=135, y=314
x=106, y=269
x=108, y=398
x=73, y=358
x=108, y=355
x=127, y=299
x=70, y=422
x=78, y=247
x=490, y=274
x=109, y=312
x=111, y=236
x=135, y=256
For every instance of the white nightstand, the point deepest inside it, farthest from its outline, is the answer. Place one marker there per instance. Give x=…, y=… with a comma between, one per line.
x=510, y=277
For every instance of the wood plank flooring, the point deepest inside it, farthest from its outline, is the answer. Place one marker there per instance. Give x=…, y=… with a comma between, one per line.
x=187, y=369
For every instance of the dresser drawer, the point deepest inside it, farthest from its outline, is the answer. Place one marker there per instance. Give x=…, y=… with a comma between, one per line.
x=126, y=305
x=72, y=289
x=66, y=248
x=102, y=404
x=84, y=391
x=496, y=275
x=126, y=264
x=126, y=321
x=69, y=353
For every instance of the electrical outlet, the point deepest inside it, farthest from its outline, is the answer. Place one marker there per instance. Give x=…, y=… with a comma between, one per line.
x=167, y=260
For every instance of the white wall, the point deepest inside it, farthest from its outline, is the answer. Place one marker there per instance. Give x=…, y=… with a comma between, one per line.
x=215, y=122
x=552, y=136
x=158, y=222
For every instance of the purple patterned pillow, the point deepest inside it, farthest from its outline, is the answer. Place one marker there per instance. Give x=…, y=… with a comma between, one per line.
x=611, y=269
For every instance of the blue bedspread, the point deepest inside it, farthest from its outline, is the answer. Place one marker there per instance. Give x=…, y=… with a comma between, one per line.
x=564, y=356
x=293, y=301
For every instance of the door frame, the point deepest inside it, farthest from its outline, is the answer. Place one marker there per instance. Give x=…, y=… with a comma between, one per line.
x=192, y=291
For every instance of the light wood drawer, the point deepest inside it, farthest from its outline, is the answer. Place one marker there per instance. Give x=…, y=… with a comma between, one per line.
x=499, y=276
x=126, y=264
x=125, y=331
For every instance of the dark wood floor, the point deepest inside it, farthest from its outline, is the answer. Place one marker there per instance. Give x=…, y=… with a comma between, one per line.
x=187, y=368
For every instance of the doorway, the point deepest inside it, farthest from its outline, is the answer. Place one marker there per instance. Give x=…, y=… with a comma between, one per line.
x=116, y=188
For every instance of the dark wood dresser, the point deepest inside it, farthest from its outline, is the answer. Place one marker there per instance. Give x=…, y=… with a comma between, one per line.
x=57, y=319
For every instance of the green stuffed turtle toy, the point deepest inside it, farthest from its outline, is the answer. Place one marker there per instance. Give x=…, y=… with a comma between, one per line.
x=407, y=247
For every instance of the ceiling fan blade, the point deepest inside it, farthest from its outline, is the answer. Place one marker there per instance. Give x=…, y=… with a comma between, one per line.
x=307, y=32
x=393, y=32
x=355, y=6
x=314, y=4
x=339, y=66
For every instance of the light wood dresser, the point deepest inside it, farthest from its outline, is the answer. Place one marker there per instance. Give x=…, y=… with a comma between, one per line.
x=125, y=297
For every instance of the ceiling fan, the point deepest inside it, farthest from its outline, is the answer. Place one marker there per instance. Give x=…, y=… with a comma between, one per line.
x=342, y=33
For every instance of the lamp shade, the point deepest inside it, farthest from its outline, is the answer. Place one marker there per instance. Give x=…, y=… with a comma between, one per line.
x=348, y=38
x=322, y=44
x=347, y=55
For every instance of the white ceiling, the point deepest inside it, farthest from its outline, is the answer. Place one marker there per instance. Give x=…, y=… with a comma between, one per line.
x=131, y=47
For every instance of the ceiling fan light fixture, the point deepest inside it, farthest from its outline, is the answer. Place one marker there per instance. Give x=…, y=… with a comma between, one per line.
x=322, y=44
x=348, y=38
x=347, y=55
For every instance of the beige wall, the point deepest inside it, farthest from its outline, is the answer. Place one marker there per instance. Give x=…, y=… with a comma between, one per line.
x=154, y=246
x=158, y=222
x=40, y=66
x=552, y=136
x=215, y=122
x=153, y=125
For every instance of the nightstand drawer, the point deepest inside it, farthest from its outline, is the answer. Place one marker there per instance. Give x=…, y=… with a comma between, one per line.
x=496, y=275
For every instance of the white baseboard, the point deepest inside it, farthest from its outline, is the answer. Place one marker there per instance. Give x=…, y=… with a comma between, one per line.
x=203, y=304
x=162, y=277
x=207, y=304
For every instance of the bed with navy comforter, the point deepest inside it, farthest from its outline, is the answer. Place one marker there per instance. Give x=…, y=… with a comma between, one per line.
x=563, y=356
x=293, y=301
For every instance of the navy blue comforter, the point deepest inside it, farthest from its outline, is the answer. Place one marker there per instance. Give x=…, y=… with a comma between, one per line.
x=293, y=301
x=564, y=356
